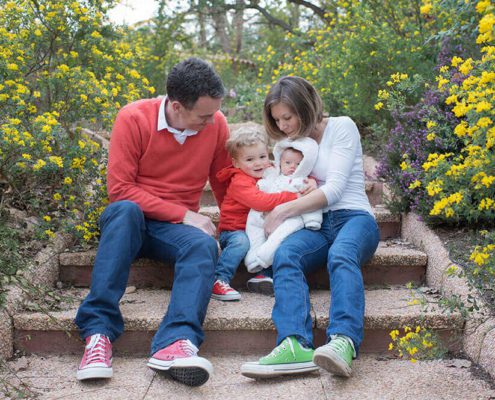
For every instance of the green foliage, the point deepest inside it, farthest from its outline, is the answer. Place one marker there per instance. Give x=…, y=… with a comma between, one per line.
x=10, y=257
x=350, y=57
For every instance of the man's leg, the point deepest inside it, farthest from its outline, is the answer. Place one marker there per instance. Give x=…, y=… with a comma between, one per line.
x=175, y=345
x=122, y=230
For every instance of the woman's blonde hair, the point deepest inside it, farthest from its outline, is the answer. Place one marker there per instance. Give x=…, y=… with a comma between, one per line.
x=243, y=137
x=303, y=100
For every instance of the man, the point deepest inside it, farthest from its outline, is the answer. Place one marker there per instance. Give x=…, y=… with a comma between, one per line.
x=162, y=151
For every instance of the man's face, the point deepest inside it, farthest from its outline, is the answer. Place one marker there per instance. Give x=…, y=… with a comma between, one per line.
x=201, y=114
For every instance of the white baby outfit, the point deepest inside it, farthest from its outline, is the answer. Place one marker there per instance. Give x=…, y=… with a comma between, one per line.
x=262, y=249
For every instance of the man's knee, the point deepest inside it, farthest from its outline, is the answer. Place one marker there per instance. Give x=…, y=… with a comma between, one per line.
x=123, y=209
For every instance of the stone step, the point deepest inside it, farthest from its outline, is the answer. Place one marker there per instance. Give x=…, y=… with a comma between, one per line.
x=374, y=190
x=375, y=377
x=388, y=223
x=231, y=327
x=394, y=263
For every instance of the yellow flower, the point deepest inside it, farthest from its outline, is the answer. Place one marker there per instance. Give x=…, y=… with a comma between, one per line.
x=67, y=180
x=430, y=137
x=378, y=106
x=57, y=197
x=426, y=9
x=39, y=164
x=47, y=218
x=49, y=233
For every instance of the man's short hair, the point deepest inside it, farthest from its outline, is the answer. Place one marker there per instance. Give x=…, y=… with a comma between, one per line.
x=244, y=137
x=191, y=79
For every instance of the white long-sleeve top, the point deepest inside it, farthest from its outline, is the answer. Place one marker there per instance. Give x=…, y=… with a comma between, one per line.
x=339, y=166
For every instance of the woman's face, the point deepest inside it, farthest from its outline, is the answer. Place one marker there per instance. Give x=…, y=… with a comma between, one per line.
x=287, y=121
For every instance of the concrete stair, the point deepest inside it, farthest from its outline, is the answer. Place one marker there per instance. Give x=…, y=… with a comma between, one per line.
x=231, y=327
x=394, y=263
x=245, y=326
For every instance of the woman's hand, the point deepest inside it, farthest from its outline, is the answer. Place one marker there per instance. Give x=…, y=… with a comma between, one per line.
x=273, y=219
x=310, y=186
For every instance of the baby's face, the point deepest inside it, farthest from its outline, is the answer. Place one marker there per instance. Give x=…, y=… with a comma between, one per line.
x=289, y=161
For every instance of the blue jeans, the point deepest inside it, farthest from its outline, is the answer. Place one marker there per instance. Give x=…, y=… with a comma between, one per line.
x=125, y=235
x=346, y=241
x=235, y=245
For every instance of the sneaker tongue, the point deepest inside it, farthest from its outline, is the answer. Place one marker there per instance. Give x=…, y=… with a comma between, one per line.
x=94, y=339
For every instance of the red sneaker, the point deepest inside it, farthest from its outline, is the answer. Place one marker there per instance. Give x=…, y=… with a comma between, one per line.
x=182, y=363
x=261, y=284
x=223, y=291
x=97, y=358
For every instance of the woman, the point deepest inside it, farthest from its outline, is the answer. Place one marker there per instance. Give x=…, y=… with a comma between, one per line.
x=348, y=238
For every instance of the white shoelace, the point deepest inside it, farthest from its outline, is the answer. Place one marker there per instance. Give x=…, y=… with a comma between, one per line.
x=188, y=348
x=282, y=347
x=96, y=349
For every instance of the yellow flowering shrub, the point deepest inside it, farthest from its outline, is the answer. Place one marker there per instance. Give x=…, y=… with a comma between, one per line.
x=416, y=344
x=63, y=68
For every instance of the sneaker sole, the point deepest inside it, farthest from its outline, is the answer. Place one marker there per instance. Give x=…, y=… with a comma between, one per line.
x=331, y=361
x=192, y=371
x=94, y=373
x=230, y=297
x=257, y=371
x=265, y=288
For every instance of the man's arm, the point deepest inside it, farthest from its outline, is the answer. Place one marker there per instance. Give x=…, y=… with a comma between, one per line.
x=126, y=146
x=221, y=159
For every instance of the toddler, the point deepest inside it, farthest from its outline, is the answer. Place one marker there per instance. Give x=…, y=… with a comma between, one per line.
x=294, y=160
x=248, y=148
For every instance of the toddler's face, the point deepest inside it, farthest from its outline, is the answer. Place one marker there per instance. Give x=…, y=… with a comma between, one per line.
x=289, y=161
x=252, y=160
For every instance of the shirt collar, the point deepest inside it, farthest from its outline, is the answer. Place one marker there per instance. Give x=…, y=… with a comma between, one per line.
x=179, y=135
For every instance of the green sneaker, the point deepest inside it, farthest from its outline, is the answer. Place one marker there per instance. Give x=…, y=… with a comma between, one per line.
x=336, y=356
x=288, y=358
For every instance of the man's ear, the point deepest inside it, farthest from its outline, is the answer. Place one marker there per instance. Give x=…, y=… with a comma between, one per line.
x=176, y=106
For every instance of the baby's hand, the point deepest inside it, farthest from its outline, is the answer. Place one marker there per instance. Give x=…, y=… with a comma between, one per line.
x=309, y=187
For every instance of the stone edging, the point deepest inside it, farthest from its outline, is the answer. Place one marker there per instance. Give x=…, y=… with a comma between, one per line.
x=43, y=270
x=478, y=339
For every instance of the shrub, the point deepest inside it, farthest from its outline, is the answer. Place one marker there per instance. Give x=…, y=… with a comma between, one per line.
x=63, y=67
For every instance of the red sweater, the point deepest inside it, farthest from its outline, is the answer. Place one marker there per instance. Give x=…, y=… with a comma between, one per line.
x=242, y=195
x=152, y=169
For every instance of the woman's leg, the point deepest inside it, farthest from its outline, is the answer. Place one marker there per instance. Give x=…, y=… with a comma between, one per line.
x=302, y=252
x=356, y=239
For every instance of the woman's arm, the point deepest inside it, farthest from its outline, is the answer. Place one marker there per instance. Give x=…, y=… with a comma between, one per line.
x=311, y=202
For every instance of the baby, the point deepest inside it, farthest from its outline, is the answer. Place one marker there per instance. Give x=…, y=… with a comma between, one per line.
x=294, y=159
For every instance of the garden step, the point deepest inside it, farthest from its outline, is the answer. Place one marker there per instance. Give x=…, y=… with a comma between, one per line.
x=231, y=327
x=388, y=223
x=394, y=262
x=374, y=191
x=375, y=377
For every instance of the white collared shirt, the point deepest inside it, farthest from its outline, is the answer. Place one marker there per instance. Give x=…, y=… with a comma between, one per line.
x=180, y=136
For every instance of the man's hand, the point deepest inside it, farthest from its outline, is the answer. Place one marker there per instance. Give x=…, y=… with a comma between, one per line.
x=310, y=186
x=199, y=221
